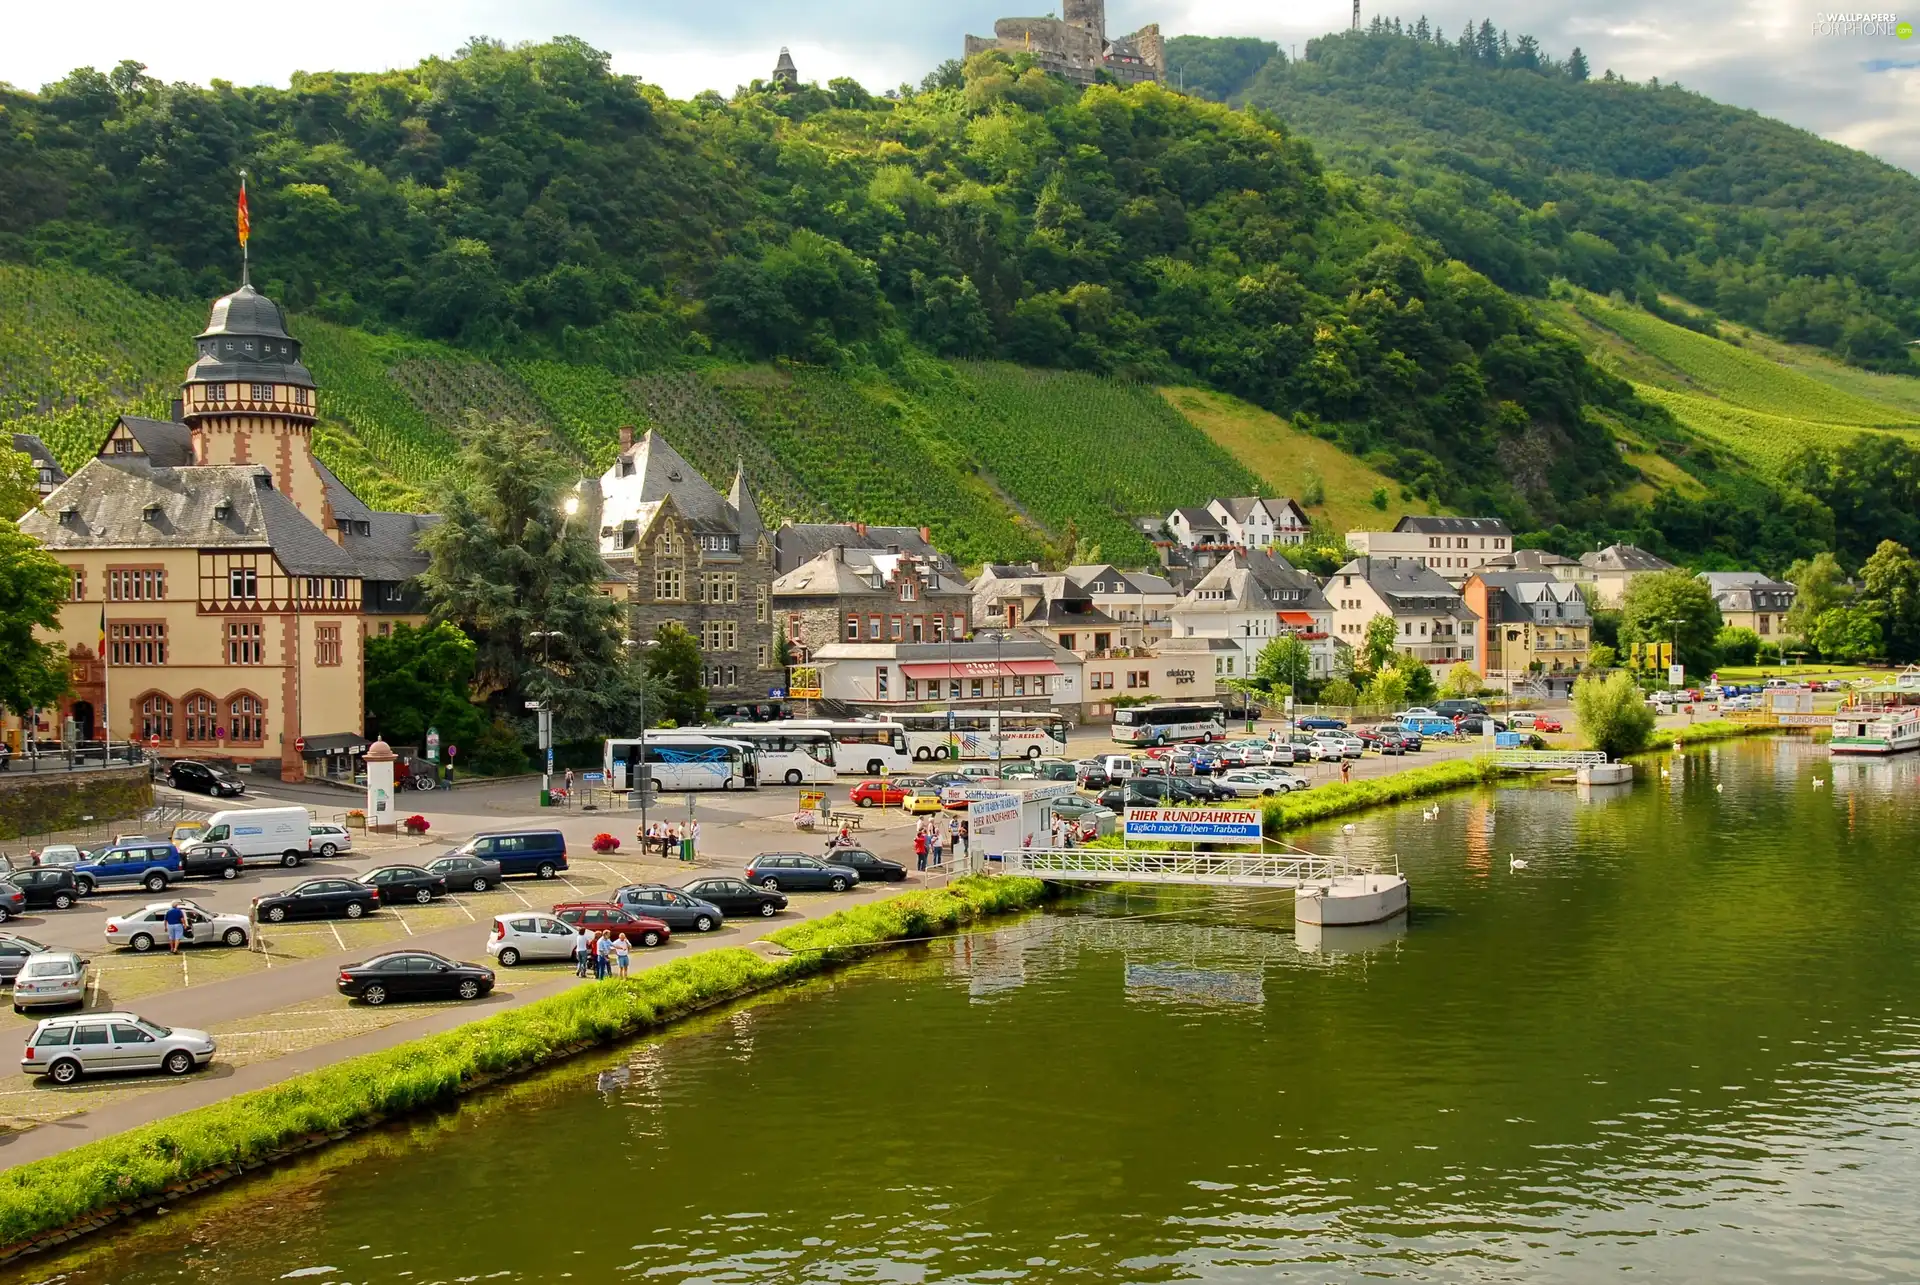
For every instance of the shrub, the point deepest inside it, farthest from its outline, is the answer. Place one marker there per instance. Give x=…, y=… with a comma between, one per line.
x=604, y=842
x=1613, y=714
x=1339, y=692
x=1286, y=811
x=1736, y=646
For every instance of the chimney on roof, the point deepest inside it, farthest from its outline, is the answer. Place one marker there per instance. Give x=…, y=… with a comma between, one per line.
x=926, y=535
x=179, y=410
x=860, y=529
x=626, y=437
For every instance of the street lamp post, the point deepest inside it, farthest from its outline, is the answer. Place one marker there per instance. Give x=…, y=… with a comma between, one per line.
x=999, y=638
x=646, y=777
x=546, y=637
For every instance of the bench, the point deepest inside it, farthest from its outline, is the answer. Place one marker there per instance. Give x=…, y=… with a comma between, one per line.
x=852, y=820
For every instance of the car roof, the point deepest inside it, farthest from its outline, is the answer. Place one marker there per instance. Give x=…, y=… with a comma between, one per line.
x=74, y=955
x=93, y=1016
x=587, y=905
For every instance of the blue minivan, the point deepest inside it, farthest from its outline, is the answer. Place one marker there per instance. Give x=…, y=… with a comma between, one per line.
x=541, y=853
x=146, y=865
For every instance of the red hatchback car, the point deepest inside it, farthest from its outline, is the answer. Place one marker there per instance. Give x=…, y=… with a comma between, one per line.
x=605, y=917
x=879, y=794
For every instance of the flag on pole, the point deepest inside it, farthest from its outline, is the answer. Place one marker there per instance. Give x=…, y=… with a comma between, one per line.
x=245, y=224
x=103, y=633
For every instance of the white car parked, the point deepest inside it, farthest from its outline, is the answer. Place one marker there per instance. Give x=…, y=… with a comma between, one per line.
x=54, y=977
x=65, y=1048
x=1247, y=784
x=1339, y=746
x=1281, y=777
x=326, y=838
x=529, y=935
x=146, y=928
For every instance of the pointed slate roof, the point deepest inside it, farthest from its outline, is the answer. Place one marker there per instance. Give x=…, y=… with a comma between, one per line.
x=746, y=512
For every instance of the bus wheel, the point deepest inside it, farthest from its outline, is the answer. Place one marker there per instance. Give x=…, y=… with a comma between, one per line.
x=1033, y=751
x=939, y=751
x=793, y=776
x=873, y=767
x=923, y=753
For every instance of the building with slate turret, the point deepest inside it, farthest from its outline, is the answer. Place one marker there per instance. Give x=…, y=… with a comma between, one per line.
x=227, y=569
x=696, y=558
x=1075, y=45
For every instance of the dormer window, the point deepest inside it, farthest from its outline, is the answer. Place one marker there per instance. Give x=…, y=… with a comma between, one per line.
x=69, y=513
x=223, y=510
x=151, y=512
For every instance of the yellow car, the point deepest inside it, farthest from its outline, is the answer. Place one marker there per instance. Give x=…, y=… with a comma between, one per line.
x=921, y=804
x=187, y=832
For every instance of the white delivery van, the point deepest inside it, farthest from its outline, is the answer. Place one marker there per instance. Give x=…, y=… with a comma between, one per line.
x=1118, y=767
x=263, y=836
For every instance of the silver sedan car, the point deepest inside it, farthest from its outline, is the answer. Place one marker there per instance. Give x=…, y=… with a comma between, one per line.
x=55, y=977
x=65, y=1048
x=146, y=928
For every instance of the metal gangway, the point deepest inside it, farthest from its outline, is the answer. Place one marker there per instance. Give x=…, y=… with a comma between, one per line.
x=1546, y=760
x=1213, y=869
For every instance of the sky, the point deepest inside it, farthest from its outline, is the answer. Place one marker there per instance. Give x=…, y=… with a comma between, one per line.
x=1856, y=89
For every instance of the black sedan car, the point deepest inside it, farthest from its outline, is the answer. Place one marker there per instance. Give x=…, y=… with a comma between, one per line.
x=45, y=886
x=737, y=897
x=204, y=778
x=413, y=974
x=870, y=868
x=677, y=908
x=1206, y=789
x=317, y=899
x=476, y=873
x=210, y=861
x=405, y=883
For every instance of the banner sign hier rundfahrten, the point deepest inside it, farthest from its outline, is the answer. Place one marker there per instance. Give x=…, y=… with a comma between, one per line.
x=1194, y=825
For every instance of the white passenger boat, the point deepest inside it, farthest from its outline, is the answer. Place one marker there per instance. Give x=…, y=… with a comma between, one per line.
x=1892, y=731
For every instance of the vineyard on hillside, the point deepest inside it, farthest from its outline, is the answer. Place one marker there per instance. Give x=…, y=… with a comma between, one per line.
x=359, y=394
x=690, y=412
x=1765, y=442
x=1735, y=375
x=77, y=351
x=857, y=462
x=1075, y=447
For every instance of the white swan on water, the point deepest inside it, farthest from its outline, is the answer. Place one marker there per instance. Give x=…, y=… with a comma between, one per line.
x=1515, y=863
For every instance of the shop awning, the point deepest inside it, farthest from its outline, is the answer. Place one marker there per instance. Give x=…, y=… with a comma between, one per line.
x=1297, y=619
x=982, y=669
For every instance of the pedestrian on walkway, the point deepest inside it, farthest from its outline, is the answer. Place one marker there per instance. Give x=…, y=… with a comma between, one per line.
x=693, y=842
x=953, y=835
x=623, y=955
x=569, y=785
x=920, y=850
x=603, y=958
x=449, y=775
x=176, y=927
x=966, y=838
x=933, y=842
x=582, y=952
x=1346, y=770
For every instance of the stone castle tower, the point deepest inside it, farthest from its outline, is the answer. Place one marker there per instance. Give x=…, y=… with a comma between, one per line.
x=1076, y=46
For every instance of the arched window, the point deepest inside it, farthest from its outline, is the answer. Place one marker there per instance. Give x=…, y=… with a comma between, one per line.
x=156, y=717
x=246, y=721
x=202, y=718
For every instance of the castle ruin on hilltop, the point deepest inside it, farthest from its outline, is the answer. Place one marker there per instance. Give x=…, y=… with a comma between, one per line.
x=1076, y=45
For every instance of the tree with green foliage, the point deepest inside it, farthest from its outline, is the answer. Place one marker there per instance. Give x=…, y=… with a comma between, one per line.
x=1736, y=646
x=1847, y=634
x=1463, y=680
x=420, y=678
x=1890, y=593
x=515, y=567
x=1672, y=606
x=33, y=584
x=19, y=483
x=1382, y=644
x=1820, y=586
x=1284, y=664
x=678, y=694
x=1600, y=656
x=1340, y=692
x=1613, y=713
x=1388, y=686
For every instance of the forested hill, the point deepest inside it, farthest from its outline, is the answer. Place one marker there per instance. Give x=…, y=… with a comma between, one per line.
x=1530, y=166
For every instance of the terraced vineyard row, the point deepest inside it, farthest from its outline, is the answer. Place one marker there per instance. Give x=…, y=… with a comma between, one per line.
x=1740, y=377
x=857, y=463
x=77, y=351
x=697, y=420
x=586, y=403
x=1766, y=442
x=358, y=393
x=1070, y=446
x=448, y=389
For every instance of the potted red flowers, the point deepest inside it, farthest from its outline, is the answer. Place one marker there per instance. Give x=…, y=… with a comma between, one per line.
x=416, y=824
x=605, y=843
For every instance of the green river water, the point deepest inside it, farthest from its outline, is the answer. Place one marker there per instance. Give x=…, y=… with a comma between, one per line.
x=1682, y=1043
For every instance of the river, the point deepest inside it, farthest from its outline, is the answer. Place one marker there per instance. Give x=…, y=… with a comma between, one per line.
x=1683, y=1042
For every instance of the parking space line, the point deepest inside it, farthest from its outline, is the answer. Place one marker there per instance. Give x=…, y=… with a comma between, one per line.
x=98, y=974
x=516, y=892
x=185, y=978
x=402, y=918
x=336, y=936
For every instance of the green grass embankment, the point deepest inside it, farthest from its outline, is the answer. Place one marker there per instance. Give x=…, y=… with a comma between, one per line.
x=1290, y=811
x=63, y=1195
x=1719, y=729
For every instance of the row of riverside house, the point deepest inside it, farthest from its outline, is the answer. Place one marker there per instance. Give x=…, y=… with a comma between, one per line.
x=223, y=579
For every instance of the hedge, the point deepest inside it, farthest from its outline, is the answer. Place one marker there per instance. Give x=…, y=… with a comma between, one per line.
x=119, y=1174
x=1289, y=811
x=1719, y=729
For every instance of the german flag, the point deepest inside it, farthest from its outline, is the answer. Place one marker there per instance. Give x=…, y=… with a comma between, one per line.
x=103, y=632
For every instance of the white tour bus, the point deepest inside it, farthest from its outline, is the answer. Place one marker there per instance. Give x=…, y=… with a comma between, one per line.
x=1168, y=721
x=684, y=760
x=863, y=746
x=1021, y=734
x=794, y=755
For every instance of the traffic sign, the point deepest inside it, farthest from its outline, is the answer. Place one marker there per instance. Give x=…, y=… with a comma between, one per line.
x=549, y=760
x=154, y=740
x=433, y=745
x=452, y=750
x=776, y=693
x=299, y=744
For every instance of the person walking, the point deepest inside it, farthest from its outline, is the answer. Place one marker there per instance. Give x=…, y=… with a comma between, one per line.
x=1346, y=770
x=693, y=842
x=623, y=955
x=582, y=952
x=920, y=850
x=569, y=785
x=933, y=842
x=176, y=927
x=603, y=957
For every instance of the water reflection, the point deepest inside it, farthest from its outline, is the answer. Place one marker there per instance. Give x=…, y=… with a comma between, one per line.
x=1356, y=939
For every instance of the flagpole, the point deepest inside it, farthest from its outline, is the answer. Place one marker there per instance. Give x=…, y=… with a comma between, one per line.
x=106, y=688
x=245, y=229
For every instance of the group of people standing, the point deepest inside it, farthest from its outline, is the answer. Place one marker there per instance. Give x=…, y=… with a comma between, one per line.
x=930, y=845
x=671, y=838
x=602, y=954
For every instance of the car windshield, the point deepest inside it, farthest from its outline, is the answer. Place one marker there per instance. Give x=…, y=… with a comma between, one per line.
x=154, y=1029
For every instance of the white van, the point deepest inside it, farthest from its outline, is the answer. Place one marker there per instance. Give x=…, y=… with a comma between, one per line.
x=1118, y=767
x=263, y=836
